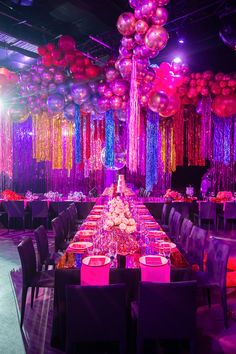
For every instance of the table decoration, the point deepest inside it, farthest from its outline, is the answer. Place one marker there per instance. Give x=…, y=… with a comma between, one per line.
x=76, y=196
x=172, y=195
x=155, y=269
x=95, y=270
x=55, y=196
x=10, y=195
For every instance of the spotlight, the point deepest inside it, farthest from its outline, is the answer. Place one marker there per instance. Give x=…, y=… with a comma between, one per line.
x=23, y=2
x=177, y=60
x=181, y=41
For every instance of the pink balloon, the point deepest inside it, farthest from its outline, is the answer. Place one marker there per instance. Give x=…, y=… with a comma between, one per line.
x=116, y=102
x=148, y=8
x=104, y=103
x=161, y=16
x=138, y=13
x=143, y=100
x=165, y=67
x=111, y=74
x=156, y=38
x=149, y=75
x=59, y=77
x=137, y=52
x=224, y=106
x=93, y=86
x=141, y=27
x=119, y=87
x=133, y=3
x=172, y=107
x=142, y=64
x=101, y=87
x=158, y=101
x=124, y=53
x=146, y=87
x=126, y=23
x=128, y=43
x=108, y=92
x=139, y=38
x=125, y=67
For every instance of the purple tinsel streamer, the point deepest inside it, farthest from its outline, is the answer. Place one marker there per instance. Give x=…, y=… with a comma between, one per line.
x=110, y=138
x=78, y=149
x=222, y=128
x=152, y=130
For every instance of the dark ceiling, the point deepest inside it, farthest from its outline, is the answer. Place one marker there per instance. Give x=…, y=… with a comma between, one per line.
x=23, y=28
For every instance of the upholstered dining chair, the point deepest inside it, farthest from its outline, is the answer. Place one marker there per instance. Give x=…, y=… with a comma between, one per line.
x=171, y=214
x=39, y=210
x=74, y=222
x=196, y=243
x=31, y=278
x=95, y=314
x=44, y=256
x=65, y=218
x=15, y=210
x=229, y=213
x=184, y=234
x=174, y=226
x=60, y=238
x=207, y=212
x=215, y=273
x=166, y=311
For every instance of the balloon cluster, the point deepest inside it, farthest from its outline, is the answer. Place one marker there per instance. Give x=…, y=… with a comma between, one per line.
x=62, y=78
x=143, y=37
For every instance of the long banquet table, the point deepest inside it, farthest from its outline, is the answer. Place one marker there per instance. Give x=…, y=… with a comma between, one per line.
x=127, y=272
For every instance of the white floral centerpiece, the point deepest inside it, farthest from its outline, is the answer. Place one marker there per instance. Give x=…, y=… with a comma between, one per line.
x=119, y=215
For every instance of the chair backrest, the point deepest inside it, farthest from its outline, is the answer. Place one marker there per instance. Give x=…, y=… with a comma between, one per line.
x=65, y=217
x=53, y=206
x=185, y=232
x=167, y=310
x=175, y=224
x=93, y=193
x=39, y=208
x=141, y=191
x=172, y=211
x=230, y=210
x=182, y=208
x=83, y=209
x=207, y=210
x=15, y=208
x=63, y=206
x=217, y=259
x=95, y=313
x=28, y=260
x=73, y=211
x=41, y=238
x=196, y=245
x=164, y=214
x=58, y=230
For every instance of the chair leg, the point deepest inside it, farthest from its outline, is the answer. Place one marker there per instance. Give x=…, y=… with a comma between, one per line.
x=23, y=301
x=225, y=224
x=225, y=308
x=32, y=296
x=37, y=292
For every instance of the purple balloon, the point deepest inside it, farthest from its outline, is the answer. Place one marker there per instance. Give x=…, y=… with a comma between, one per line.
x=108, y=93
x=148, y=8
x=69, y=111
x=111, y=74
x=46, y=76
x=59, y=77
x=80, y=92
x=40, y=69
x=127, y=42
x=138, y=13
x=52, y=87
x=126, y=23
x=24, y=76
x=32, y=88
x=156, y=38
x=103, y=104
x=116, y=102
x=134, y=3
x=35, y=77
x=93, y=86
x=139, y=39
x=101, y=87
x=146, y=87
x=87, y=107
x=161, y=16
x=125, y=67
x=124, y=53
x=55, y=103
x=119, y=87
x=63, y=89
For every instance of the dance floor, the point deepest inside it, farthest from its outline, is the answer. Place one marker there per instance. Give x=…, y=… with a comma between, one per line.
x=212, y=336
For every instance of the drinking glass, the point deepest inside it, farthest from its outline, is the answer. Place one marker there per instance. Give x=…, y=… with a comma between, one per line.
x=112, y=252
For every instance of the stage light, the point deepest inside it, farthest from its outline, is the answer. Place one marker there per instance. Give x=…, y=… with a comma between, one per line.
x=23, y=2
x=181, y=41
x=177, y=60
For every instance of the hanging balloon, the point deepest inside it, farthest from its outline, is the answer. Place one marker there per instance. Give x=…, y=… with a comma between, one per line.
x=111, y=74
x=93, y=86
x=63, y=89
x=125, y=68
x=69, y=111
x=126, y=23
x=80, y=92
x=119, y=159
x=172, y=107
x=59, y=77
x=158, y=101
x=66, y=43
x=224, y=106
x=148, y=8
x=141, y=26
x=161, y=16
x=119, y=87
x=156, y=38
x=55, y=103
x=116, y=102
x=87, y=107
x=46, y=76
x=35, y=77
x=162, y=2
x=128, y=43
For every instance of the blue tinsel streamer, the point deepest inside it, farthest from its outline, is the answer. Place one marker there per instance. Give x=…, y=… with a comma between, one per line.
x=222, y=127
x=110, y=137
x=152, y=129
x=78, y=149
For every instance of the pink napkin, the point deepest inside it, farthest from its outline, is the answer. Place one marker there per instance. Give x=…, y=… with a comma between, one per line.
x=153, y=261
x=96, y=261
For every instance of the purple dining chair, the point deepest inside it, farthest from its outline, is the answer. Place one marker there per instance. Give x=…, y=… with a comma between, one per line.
x=207, y=212
x=15, y=210
x=174, y=227
x=229, y=213
x=65, y=219
x=195, y=246
x=95, y=314
x=60, y=237
x=166, y=311
x=39, y=210
x=215, y=274
x=45, y=258
x=171, y=214
x=31, y=278
x=184, y=233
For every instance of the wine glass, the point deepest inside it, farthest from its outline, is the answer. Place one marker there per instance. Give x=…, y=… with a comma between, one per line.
x=112, y=252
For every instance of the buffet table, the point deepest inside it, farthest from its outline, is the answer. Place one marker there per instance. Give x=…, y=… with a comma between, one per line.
x=126, y=270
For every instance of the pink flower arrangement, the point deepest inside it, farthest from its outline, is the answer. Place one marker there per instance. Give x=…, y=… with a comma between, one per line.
x=172, y=194
x=224, y=195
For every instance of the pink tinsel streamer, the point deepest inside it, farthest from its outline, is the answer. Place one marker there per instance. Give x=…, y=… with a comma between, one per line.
x=6, y=163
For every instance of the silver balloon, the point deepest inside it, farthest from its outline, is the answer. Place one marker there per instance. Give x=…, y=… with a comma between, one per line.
x=80, y=92
x=55, y=103
x=119, y=159
x=69, y=111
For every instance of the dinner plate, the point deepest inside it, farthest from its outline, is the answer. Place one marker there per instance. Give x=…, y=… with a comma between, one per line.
x=79, y=246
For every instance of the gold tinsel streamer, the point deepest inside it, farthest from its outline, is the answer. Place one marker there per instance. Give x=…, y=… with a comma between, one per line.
x=57, y=153
x=68, y=130
x=172, y=166
x=41, y=137
x=163, y=146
